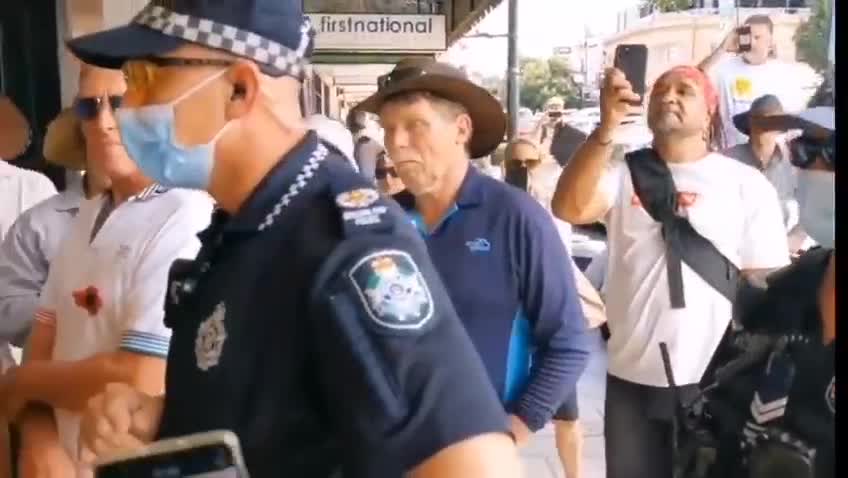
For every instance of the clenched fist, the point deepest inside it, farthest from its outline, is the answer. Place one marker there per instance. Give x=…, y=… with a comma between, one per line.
x=119, y=419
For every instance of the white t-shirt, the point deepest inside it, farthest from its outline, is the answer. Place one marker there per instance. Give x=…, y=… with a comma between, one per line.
x=732, y=205
x=20, y=189
x=124, y=270
x=740, y=83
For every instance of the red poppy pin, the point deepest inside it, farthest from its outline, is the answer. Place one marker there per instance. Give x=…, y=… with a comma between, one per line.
x=89, y=299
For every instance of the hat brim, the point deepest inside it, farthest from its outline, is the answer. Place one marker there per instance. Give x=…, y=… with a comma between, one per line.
x=487, y=115
x=111, y=48
x=742, y=122
x=817, y=122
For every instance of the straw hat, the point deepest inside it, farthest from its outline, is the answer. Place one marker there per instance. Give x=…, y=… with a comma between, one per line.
x=64, y=144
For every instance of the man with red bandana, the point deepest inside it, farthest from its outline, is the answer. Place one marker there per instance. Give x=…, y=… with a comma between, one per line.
x=726, y=202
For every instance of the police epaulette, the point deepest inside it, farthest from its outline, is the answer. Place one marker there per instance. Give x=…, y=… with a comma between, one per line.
x=362, y=208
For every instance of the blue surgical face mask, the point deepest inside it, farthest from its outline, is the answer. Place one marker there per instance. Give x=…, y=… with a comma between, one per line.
x=149, y=135
x=816, y=199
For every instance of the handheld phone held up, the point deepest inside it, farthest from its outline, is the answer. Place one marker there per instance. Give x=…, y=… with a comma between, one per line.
x=215, y=454
x=743, y=33
x=632, y=60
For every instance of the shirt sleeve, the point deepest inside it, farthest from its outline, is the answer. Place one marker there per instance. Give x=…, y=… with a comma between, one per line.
x=393, y=357
x=23, y=271
x=144, y=328
x=764, y=241
x=552, y=305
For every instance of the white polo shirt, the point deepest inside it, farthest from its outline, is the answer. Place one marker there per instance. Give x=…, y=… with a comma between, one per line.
x=729, y=203
x=20, y=189
x=108, y=293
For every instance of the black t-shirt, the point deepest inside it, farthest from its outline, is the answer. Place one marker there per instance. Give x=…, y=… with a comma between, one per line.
x=314, y=326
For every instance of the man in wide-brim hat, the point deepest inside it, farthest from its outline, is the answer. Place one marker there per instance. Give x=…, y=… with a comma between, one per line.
x=498, y=251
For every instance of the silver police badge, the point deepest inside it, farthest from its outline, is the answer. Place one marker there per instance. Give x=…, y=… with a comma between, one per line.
x=211, y=335
x=357, y=198
x=393, y=290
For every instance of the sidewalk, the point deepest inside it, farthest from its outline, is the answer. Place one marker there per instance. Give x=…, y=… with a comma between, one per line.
x=540, y=456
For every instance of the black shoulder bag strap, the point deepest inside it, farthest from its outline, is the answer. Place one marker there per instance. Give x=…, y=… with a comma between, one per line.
x=654, y=185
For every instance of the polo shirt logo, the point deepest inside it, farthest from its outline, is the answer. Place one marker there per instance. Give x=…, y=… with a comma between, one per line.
x=479, y=245
x=211, y=335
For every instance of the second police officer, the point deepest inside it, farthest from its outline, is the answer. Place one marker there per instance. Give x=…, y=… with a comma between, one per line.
x=312, y=322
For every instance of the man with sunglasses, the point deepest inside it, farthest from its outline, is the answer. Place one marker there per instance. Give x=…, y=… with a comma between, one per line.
x=312, y=323
x=99, y=317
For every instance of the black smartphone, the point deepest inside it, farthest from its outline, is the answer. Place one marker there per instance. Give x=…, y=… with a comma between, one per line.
x=632, y=60
x=516, y=174
x=743, y=33
x=554, y=114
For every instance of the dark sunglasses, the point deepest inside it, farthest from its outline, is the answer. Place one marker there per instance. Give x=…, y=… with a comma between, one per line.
x=382, y=173
x=805, y=151
x=87, y=108
x=399, y=75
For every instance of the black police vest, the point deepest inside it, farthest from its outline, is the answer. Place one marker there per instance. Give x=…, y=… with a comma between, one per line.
x=240, y=358
x=779, y=411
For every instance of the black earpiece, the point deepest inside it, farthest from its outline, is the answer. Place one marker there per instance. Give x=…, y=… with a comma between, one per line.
x=238, y=91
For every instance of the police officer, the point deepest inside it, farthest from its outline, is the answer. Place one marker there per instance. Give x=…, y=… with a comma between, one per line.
x=312, y=323
x=782, y=413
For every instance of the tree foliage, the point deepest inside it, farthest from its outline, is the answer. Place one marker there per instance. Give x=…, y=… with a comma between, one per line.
x=667, y=5
x=542, y=79
x=812, y=37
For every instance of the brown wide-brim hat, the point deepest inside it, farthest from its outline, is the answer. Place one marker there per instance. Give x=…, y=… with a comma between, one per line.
x=14, y=130
x=64, y=144
x=445, y=81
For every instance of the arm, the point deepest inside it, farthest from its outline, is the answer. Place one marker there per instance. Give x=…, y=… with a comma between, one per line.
x=417, y=393
x=587, y=187
x=730, y=44
x=140, y=358
x=580, y=197
x=23, y=272
x=550, y=300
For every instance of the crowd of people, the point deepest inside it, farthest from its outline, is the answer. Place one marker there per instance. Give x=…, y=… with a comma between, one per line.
x=361, y=301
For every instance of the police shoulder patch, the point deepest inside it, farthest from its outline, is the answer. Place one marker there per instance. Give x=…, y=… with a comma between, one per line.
x=357, y=198
x=392, y=290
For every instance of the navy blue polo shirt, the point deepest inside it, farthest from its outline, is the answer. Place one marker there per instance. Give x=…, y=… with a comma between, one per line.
x=509, y=277
x=314, y=326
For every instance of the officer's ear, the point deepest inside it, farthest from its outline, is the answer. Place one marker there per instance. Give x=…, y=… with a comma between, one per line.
x=244, y=78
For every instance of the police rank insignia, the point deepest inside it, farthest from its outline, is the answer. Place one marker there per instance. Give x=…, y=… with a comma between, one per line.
x=211, y=335
x=830, y=395
x=357, y=198
x=393, y=290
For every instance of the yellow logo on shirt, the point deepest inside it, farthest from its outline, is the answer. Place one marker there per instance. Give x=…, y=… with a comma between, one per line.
x=743, y=89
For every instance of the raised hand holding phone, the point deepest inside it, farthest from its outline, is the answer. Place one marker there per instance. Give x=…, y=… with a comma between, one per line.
x=617, y=101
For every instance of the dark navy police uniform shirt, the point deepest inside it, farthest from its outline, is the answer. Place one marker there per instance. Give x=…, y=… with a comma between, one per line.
x=313, y=325
x=509, y=277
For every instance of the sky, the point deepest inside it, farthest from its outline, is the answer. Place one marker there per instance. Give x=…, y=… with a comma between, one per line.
x=542, y=25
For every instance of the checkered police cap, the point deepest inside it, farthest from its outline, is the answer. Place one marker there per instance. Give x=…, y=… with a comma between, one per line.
x=273, y=33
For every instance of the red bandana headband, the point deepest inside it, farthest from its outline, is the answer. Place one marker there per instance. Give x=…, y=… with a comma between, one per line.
x=700, y=78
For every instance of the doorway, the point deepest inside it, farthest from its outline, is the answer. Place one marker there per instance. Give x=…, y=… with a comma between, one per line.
x=29, y=73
